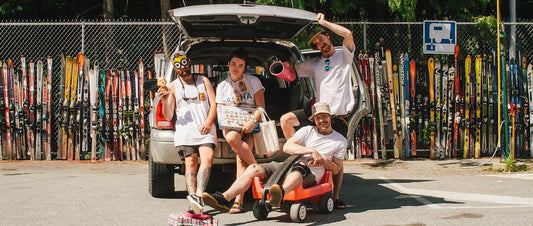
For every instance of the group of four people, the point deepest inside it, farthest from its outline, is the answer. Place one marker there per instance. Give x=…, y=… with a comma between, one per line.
x=192, y=99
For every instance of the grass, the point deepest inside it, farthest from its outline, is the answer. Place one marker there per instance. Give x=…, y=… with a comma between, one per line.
x=510, y=166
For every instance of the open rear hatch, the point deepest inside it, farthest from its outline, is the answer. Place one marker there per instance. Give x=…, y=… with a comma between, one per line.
x=241, y=21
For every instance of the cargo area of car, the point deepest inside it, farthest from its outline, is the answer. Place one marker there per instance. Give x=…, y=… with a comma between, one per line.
x=211, y=59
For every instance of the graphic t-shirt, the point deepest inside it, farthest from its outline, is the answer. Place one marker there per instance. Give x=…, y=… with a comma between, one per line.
x=247, y=87
x=334, y=85
x=329, y=146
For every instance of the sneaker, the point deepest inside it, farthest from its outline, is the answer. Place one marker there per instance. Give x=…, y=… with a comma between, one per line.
x=196, y=204
x=217, y=201
x=276, y=195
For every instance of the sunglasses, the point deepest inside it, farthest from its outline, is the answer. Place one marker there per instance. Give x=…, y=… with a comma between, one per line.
x=180, y=61
x=188, y=99
x=327, y=64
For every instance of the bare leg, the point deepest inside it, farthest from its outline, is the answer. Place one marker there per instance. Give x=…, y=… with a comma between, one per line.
x=243, y=182
x=243, y=165
x=191, y=165
x=292, y=180
x=241, y=148
x=337, y=183
x=288, y=121
x=206, y=161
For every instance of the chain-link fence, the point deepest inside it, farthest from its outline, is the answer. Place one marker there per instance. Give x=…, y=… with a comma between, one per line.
x=111, y=44
x=408, y=37
x=122, y=44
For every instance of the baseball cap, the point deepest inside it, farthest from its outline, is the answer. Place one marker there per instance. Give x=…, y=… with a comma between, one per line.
x=313, y=33
x=320, y=107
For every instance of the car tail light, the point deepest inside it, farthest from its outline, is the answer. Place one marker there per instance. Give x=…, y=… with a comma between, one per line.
x=160, y=120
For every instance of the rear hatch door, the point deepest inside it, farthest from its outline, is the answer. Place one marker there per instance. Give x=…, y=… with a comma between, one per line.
x=241, y=21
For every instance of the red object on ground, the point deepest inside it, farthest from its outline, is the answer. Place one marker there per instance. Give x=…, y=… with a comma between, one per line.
x=299, y=193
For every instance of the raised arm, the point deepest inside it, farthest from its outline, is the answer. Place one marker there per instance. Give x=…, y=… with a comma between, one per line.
x=338, y=29
x=168, y=100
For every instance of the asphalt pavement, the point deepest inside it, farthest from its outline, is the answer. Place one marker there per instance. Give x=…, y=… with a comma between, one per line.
x=394, y=192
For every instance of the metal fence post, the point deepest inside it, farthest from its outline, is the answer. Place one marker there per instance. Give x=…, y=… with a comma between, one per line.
x=83, y=37
x=364, y=36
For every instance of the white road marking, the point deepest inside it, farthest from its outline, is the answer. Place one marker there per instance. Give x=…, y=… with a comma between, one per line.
x=525, y=176
x=401, y=189
x=456, y=196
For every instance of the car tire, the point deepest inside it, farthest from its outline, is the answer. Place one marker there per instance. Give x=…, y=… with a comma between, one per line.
x=161, y=179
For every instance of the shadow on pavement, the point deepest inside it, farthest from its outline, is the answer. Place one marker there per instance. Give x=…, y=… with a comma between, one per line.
x=360, y=195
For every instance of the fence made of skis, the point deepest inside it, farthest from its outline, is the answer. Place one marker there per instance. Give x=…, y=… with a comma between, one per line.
x=444, y=105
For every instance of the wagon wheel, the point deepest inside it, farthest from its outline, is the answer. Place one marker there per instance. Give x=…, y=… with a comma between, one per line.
x=298, y=212
x=326, y=204
x=260, y=210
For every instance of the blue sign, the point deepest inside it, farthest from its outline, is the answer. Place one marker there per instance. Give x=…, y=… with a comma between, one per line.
x=440, y=37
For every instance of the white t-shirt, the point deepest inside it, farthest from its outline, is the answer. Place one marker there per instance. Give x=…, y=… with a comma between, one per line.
x=225, y=89
x=329, y=146
x=333, y=86
x=191, y=114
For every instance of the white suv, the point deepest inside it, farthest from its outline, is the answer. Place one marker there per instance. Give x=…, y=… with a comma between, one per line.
x=211, y=33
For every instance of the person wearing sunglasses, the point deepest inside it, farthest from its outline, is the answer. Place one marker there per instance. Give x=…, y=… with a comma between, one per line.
x=332, y=73
x=242, y=90
x=191, y=100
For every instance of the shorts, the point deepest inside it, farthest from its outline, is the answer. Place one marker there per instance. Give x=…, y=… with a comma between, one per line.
x=186, y=150
x=303, y=117
x=308, y=177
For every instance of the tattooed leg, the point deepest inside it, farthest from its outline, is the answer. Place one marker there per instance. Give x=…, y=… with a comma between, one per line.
x=191, y=164
x=190, y=181
x=203, y=179
x=206, y=161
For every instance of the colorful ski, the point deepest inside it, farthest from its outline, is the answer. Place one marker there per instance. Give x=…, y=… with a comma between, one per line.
x=141, y=109
x=412, y=89
x=457, y=132
x=405, y=107
x=39, y=110
x=3, y=155
x=530, y=94
x=373, y=99
x=431, y=126
x=468, y=68
x=438, y=110
x=93, y=93
x=379, y=87
x=9, y=149
x=26, y=104
x=392, y=104
x=48, y=100
x=72, y=109
x=478, y=66
x=65, y=109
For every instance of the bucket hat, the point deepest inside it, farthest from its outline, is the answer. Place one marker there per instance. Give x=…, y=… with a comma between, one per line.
x=313, y=33
x=320, y=107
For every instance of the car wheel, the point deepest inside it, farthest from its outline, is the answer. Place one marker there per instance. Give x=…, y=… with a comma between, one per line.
x=298, y=212
x=161, y=179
